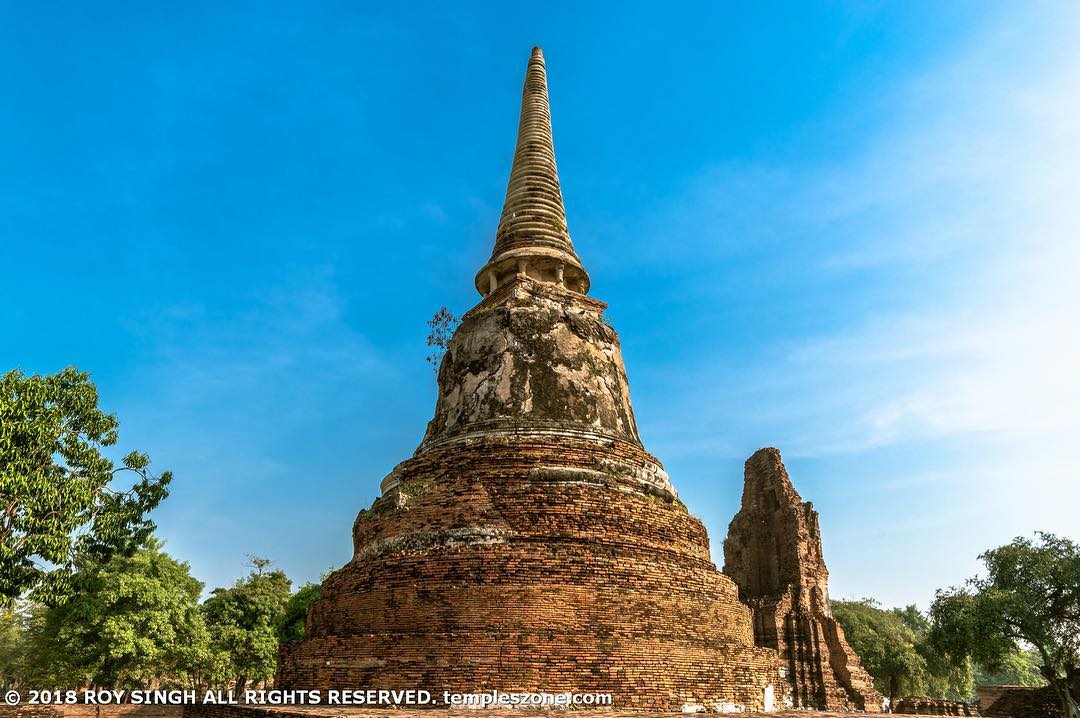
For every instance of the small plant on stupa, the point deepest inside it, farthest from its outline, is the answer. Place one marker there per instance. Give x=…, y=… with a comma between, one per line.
x=413, y=488
x=442, y=326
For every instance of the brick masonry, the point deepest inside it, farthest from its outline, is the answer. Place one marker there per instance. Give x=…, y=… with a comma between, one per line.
x=518, y=552
x=1019, y=702
x=773, y=552
x=923, y=705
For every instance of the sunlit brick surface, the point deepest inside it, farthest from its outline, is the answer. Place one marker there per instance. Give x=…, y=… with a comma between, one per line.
x=480, y=570
x=773, y=551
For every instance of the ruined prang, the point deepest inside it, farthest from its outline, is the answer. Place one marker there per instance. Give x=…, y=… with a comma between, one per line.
x=531, y=543
x=773, y=552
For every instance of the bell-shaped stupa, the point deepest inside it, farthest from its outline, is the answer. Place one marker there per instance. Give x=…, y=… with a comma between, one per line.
x=531, y=543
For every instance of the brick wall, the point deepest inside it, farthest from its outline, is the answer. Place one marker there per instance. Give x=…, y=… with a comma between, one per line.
x=1019, y=702
x=923, y=705
x=484, y=569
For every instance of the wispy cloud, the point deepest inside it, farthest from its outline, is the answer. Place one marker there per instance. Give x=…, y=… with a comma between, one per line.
x=252, y=406
x=906, y=317
x=291, y=338
x=964, y=209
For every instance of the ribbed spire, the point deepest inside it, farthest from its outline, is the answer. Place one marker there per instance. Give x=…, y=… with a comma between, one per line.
x=532, y=235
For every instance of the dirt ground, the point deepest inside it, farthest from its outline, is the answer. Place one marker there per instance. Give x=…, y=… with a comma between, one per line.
x=325, y=712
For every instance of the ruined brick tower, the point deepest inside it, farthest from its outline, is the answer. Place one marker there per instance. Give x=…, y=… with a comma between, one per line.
x=773, y=551
x=531, y=543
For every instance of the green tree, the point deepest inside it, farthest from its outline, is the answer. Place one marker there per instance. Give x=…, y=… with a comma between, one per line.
x=14, y=627
x=1030, y=596
x=130, y=622
x=243, y=622
x=1017, y=669
x=62, y=503
x=944, y=678
x=887, y=647
x=290, y=626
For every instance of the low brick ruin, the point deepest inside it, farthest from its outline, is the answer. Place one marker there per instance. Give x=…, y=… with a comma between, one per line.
x=926, y=706
x=531, y=543
x=1019, y=702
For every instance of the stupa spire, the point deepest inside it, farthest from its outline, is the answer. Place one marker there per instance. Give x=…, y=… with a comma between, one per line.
x=532, y=238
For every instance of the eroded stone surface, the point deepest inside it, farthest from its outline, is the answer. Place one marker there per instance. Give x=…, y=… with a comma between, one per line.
x=773, y=552
x=533, y=357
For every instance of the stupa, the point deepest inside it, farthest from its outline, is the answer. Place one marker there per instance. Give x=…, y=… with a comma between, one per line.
x=531, y=543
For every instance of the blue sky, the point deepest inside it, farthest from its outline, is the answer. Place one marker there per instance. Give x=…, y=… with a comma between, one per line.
x=848, y=230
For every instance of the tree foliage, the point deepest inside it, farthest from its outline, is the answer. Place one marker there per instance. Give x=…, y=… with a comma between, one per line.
x=63, y=502
x=1030, y=596
x=290, y=626
x=894, y=648
x=886, y=647
x=131, y=622
x=243, y=622
x=944, y=678
x=14, y=626
x=1017, y=669
x=136, y=622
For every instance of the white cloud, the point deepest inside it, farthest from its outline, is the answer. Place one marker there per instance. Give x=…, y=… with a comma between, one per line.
x=283, y=343
x=934, y=412
x=970, y=197
x=999, y=342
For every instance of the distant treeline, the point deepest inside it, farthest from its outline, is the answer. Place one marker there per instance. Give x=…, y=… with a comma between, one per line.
x=895, y=647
